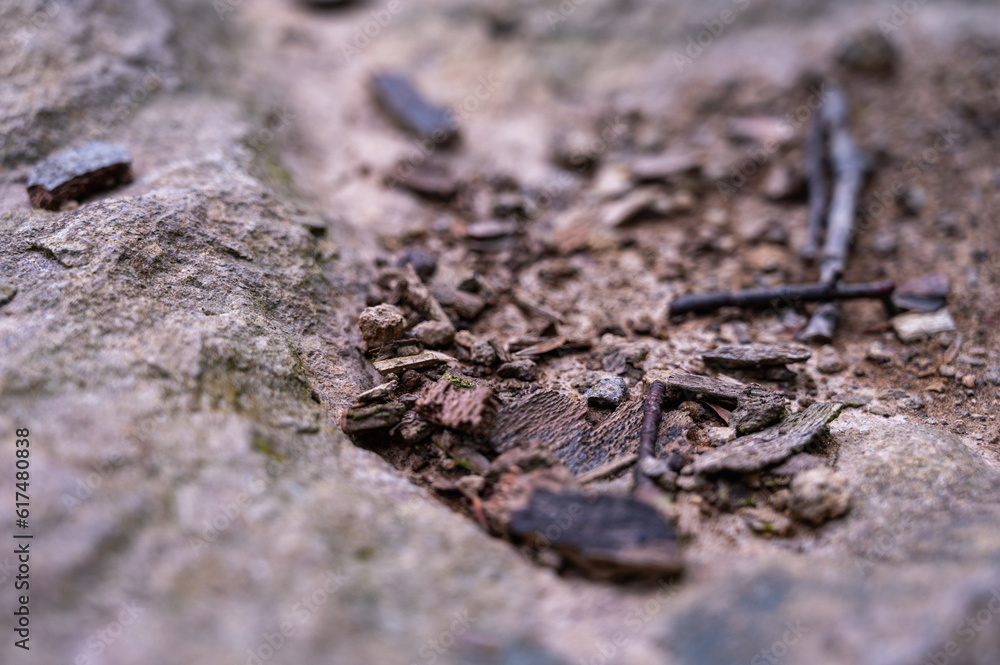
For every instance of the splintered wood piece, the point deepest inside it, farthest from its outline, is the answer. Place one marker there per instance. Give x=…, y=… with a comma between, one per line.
x=72, y=174
x=546, y=418
x=609, y=537
x=469, y=410
x=424, y=360
x=543, y=347
x=378, y=392
x=611, y=468
x=408, y=108
x=614, y=437
x=770, y=446
x=756, y=355
x=725, y=391
x=756, y=408
x=376, y=416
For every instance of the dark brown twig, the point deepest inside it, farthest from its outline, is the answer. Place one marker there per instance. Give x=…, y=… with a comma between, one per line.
x=651, y=416
x=850, y=166
x=766, y=298
x=817, y=186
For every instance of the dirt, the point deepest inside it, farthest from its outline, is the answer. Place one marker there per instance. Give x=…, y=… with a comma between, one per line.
x=555, y=114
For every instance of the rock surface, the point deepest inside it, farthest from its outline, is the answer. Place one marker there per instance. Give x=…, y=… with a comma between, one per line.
x=167, y=345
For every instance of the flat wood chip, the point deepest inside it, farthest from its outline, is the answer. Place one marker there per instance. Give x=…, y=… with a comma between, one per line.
x=770, y=446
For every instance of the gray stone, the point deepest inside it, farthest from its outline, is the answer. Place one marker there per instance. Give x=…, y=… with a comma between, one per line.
x=434, y=334
x=607, y=392
x=522, y=369
x=819, y=495
x=381, y=325
x=829, y=361
x=915, y=326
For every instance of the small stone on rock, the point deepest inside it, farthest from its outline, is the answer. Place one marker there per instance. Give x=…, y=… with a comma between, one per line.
x=434, y=334
x=819, y=495
x=607, y=392
x=829, y=361
x=522, y=369
x=918, y=325
x=381, y=325
x=879, y=353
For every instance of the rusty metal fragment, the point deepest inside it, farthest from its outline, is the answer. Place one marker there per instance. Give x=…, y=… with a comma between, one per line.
x=770, y=446
x=608, y=537
x=77, y=172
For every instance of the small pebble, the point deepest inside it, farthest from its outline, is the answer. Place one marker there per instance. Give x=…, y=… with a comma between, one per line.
x=483, y=353
x=424, y=263
x=7, y=292
x=522, y=369
x=880, y=409
x=914, y=326
x=969, y=380
x=879, y=353
x=868, y=51
x=607, y=393
x=434, y=334
x=829, y=361
x=819, y=495
x=381, y=325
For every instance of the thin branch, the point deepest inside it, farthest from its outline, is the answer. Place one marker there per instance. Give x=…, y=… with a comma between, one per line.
x=651, y=416
x=817, y=186
x=773, y=297
x=849, y=166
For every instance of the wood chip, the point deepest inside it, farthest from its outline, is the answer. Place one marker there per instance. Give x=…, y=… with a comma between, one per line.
x=425, y=360
x=756, y=408
x=469, y=410
x=609, y=537
x=533, y=308
x=756, y=355
x=770, y=446
x=376, y=416
x=546, y=417
x=72, y=174
x=541, y=348
x=690, y=386
x=378, y=392
x=612, y=468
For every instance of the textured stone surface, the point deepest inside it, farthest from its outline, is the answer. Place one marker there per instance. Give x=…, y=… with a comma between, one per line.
x=168, y=341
